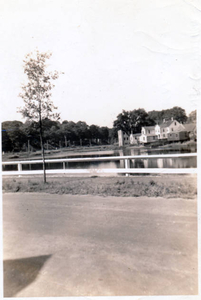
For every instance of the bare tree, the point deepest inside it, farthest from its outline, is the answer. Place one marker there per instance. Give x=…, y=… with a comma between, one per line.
x=36, y=93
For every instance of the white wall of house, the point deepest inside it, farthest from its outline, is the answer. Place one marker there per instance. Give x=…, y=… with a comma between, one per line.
x=149, y=130
x=164, y=133
x=120, y=138
x=148, y=134
x=176, y=126
x=157, y=130
x=134, y=138
x=143, y=138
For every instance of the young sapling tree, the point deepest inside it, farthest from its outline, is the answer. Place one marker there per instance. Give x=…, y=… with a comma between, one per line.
x=36, y=93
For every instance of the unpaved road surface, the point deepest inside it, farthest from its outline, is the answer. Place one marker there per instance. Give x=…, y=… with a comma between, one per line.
x=62, y=245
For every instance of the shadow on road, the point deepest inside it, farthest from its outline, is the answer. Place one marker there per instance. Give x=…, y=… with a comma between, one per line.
x=19, y=273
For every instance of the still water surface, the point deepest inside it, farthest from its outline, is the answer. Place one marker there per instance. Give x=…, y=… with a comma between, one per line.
x=182, y=162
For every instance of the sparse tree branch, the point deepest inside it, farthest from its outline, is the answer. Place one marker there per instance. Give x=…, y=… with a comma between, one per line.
x=36, y=93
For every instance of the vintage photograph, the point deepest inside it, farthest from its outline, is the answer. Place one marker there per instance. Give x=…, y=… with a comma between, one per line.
x=99, y=107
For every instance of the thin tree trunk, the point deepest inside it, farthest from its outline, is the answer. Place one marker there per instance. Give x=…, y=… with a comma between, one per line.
x=42, y=149
x=43, y=156
x=65, y=141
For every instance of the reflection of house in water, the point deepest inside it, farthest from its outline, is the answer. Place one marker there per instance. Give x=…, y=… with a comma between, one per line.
x=160, y=163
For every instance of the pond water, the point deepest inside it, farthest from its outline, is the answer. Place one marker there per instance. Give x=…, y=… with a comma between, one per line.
x=181, y=162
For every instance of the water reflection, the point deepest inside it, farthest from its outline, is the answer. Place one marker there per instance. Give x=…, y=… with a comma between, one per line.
x=176, y=162
x=181, y=162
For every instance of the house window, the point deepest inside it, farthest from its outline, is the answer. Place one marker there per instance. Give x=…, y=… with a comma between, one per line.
x=143, y=138
x=163, y=130
x=148, y=131
x=172, y=129
x=163, y=135
x=175, y=123
x=153, y=137
x=170, y=134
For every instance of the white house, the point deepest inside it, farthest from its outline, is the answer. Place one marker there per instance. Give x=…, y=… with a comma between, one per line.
x=134, y=138
x=163, y=129
x=168, y=130
x=148, y=134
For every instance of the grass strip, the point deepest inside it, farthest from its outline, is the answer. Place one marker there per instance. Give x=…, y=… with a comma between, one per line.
x=169, y=186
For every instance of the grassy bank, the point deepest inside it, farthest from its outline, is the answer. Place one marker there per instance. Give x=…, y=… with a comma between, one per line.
x=169, y=186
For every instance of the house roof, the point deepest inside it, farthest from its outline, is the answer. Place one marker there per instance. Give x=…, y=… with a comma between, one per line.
x=135, y=134
x=166, y=124
x=190, y=126
x=149, y=127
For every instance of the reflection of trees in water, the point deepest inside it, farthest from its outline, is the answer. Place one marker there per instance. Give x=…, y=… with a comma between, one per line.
x=160, y=163
x=103, y=165
x=139, y=163
x=181, y=162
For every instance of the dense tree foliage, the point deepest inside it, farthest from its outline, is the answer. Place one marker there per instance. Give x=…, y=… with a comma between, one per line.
x=16, y=136
x=104, y=134
x=176, y=113
x=13, y=136
x=192, y=118
x=6, y=141
x=132, y=121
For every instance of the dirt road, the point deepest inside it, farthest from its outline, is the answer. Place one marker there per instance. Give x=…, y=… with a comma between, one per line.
x=62, y=245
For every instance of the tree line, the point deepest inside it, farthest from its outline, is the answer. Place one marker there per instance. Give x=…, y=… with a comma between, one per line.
x=132, y=121
x=18, y=136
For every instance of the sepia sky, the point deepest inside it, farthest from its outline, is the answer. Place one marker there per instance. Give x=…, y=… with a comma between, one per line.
x=116, y=54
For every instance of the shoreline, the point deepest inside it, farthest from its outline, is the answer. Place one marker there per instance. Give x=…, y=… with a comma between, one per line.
x=98, y=150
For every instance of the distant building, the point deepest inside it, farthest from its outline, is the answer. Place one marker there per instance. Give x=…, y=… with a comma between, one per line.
x=170, y=130
x=148, y=134
x=178, y=136
x=163, y=129
x=134, y=138
x=123, y=138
